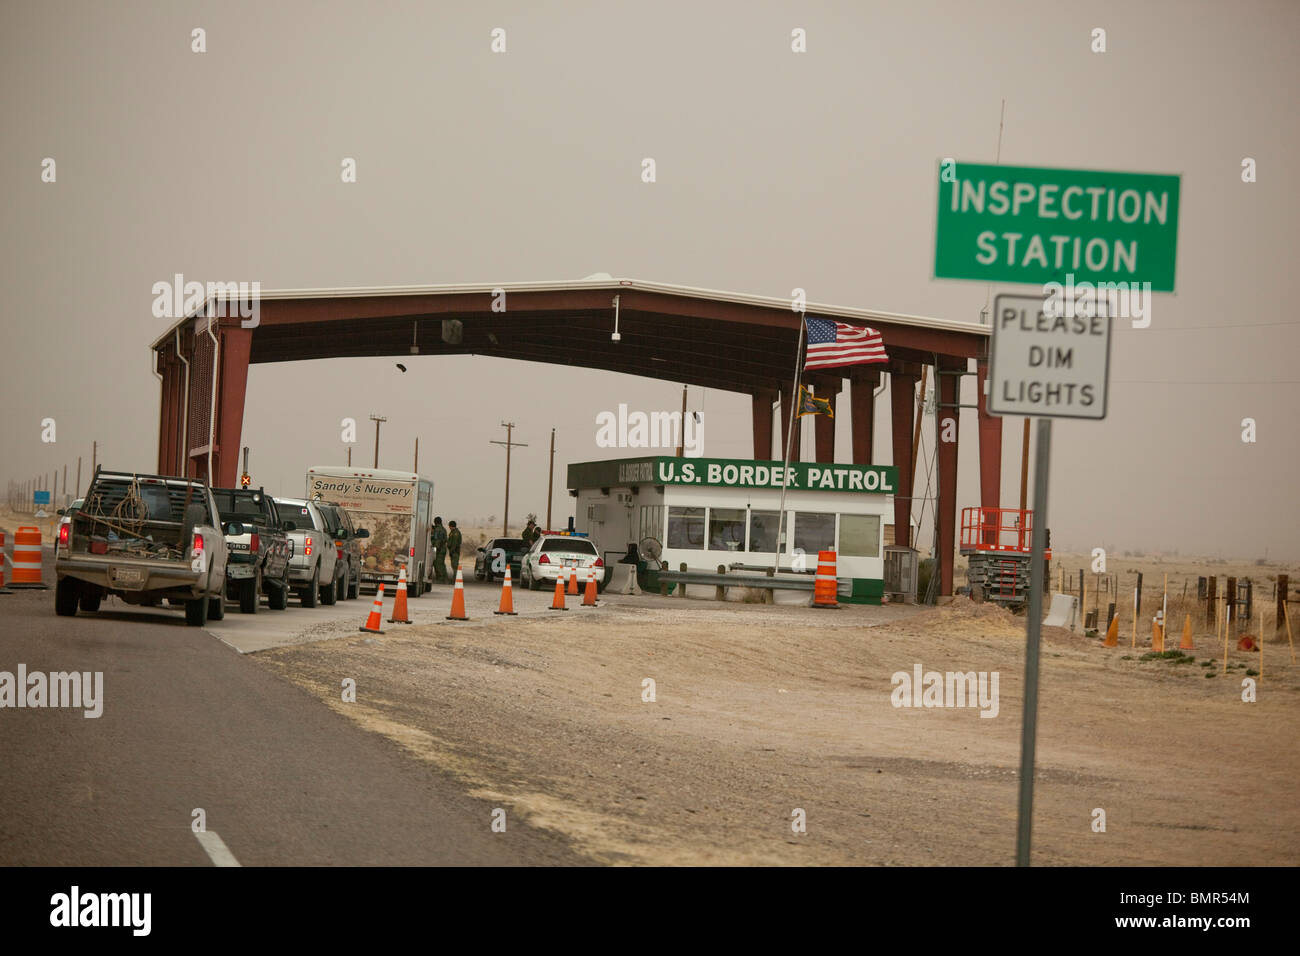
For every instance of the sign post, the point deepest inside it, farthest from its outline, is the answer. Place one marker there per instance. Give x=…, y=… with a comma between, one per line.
x=1046, y=365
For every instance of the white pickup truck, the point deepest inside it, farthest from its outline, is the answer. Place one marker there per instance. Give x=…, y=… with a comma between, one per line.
x=143, y=538
x=313, y=564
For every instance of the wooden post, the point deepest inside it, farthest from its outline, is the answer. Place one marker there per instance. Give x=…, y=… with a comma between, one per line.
x=1136, y=591
x=1286, y=613
x=1222, y=618
x=1212, y=601
x=1279, y=611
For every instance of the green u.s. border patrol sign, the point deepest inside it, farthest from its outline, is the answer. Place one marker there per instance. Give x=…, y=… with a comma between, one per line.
x=734, y=473
x=1038, y=225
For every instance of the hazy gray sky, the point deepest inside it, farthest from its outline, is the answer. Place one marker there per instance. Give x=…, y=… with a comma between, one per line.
x=775, y=170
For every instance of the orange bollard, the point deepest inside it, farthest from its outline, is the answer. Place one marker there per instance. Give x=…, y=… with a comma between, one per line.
x=1186, y=643
x=1112, y=633
x=557, y=602
x=376, y=613
x=589, y=596
x=573, y=581
x=400, y=613
x=825, y=587
x=507, y=595
x=3, y=589
x=27, y=559
x=1157, y=639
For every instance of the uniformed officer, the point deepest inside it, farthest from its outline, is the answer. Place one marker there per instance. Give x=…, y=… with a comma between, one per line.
x=438, y=538
x=530, y=534
x=453, y=547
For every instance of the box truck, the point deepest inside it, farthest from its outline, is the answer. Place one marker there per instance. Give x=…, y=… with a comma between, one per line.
x=395, y=507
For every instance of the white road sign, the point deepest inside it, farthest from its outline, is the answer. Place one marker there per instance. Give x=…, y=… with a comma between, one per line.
x=1046, y=365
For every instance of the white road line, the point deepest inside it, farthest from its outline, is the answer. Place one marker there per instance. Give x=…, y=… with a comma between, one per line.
x=216, y=848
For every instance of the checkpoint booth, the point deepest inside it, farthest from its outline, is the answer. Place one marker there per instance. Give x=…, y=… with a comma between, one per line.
x=706, y=512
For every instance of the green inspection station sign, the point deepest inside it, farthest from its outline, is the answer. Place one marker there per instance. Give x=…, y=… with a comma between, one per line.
x=734, y=473
x=1038, y=225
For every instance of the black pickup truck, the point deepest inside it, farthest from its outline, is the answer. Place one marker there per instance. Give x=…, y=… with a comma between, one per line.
x=259, y=558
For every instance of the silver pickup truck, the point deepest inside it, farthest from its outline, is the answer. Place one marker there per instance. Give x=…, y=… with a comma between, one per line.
x=313, y=564
x=143, y=538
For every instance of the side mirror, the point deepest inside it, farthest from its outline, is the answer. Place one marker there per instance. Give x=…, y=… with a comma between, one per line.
x=59, y=512
x=362, y=533
x=234, y=528
x=479, y=550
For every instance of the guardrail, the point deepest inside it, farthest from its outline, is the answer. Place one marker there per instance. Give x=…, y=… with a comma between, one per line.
x=721, y=581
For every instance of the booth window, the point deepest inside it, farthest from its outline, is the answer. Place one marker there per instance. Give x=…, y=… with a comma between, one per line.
x=860, y=536
x=686, y=528
x=762, y=530
x=726, y=529
x=814, y=532
x=652, y=521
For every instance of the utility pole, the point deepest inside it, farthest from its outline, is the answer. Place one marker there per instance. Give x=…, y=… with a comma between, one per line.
x=377, y=420
x=349, y=456
x=416, y=467
x=505, y=516
x=94, y=456
x=78, y=495
x=550, y=480
x=681, y=445
x=65, y=482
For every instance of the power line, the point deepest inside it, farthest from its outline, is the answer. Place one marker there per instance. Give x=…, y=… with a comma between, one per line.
x=1130, y=381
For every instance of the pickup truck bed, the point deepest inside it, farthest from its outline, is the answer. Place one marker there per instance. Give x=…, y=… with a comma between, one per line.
x=142, y=538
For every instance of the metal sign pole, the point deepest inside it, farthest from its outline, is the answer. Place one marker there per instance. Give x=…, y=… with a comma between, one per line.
x=1033, y=634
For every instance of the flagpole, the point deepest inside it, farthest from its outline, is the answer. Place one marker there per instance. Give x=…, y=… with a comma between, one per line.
x=789, y=438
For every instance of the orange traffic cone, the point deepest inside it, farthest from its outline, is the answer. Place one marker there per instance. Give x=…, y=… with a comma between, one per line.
x=1186, y=643
x=557, y=602
x=573, y=581
x=400, y=615
x=507, y=597
x=1112, y=633
x=458, y=599
x=589, y=596
x=376, y=613
x=1157, y=638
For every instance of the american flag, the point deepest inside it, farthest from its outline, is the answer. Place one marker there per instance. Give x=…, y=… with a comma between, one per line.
x=832, y=344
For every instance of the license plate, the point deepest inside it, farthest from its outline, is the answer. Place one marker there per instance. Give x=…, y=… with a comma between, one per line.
x=570, y=562
x=128, y=577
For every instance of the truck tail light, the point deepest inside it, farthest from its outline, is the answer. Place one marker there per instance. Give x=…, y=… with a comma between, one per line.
x=253, y=542
x=63, y=535
x=543, y=560
x=198, y=543
x=339, y=552
x=307, y=547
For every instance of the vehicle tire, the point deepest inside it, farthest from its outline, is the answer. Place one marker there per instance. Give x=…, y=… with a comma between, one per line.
x=329, y=594
x=311, y=595
x=196, y=612
x=217, y=608
x=250, y=594
x=346, y=587
x=90, y=598
x=354, y=585
x=277, y=595
x=67, y=593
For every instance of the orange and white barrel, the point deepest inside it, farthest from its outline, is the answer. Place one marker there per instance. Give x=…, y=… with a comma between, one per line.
x=825, y=586
x=27, y=558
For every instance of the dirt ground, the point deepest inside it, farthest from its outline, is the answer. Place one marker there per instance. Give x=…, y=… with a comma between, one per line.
x=760, y=711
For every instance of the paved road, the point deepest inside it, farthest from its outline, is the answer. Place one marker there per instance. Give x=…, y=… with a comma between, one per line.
x=188, y=723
